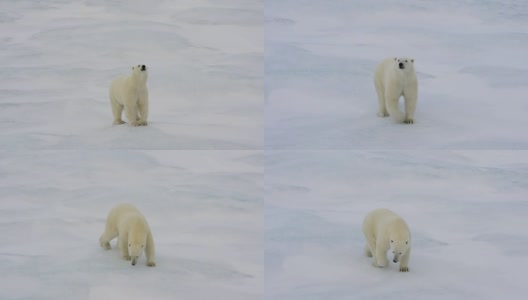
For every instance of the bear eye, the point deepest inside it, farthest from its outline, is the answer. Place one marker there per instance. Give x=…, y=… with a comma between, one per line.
x=392, y=251
x=400, y=253
x=405, y=60
x=391, y=241
x=128, y=245
x=406, y=242
x=141, y=246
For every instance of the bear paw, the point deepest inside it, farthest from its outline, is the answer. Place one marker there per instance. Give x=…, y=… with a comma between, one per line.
x=378, y=265
x=139, y=123
x=151, y=264
x=408, y=121
x=383, y=114
x=106, y=245
x=404, y=269
x=119, y=122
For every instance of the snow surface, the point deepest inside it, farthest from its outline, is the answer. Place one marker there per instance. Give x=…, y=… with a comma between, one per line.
x=205, y=73
x=204, y=209
x=471, y=65
x=466, y=211
x=224, y=228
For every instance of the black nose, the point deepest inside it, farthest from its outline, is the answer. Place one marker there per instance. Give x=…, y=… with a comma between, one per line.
x=143, y=68
x=395, y=261
x=401, y=65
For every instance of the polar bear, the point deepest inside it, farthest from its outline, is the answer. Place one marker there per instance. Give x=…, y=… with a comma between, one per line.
x=130, y=226
x=130, y=93
x=385, y=230
x=395, y=77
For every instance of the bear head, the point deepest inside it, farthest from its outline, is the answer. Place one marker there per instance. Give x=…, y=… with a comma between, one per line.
x=136, y=245
x=400, y=242
x=404, y=63
x=140, y=72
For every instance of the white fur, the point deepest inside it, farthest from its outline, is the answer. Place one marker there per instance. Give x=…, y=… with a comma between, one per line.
x=128, y=224
x=391, y=83
x=385, y=230
x=130, y=93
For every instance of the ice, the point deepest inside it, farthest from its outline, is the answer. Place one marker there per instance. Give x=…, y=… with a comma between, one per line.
x=205, y=73
x=471, y=65
x=204, y=209
x=231, y=174
x=466, y=211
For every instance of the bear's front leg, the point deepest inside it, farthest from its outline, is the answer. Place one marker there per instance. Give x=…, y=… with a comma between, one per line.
x=381, y=256
x=123, y=246
x=405, y=261
x=409, y=98
x=143, y=109
x=382, y=107
x=131, y=114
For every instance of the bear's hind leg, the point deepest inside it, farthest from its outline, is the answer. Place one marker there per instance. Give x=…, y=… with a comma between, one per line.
x=117, y=111
x=105, y=239
x=149, y=251
x=367, y=251
x=370, y=248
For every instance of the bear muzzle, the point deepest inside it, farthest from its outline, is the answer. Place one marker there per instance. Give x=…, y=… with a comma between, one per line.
x=134, y=260
x=402, y=66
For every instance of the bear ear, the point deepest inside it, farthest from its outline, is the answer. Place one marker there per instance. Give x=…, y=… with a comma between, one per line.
x=132, y=68
x=412, y=60
x=395, y=58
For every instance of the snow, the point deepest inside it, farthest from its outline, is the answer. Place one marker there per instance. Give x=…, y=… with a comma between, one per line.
x=230, y=173
x=470, y=59
x=204, y=209
x=466, y=211
x=205, y=73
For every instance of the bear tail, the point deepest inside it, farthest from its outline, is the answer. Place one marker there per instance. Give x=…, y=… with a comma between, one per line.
x=394, y=111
